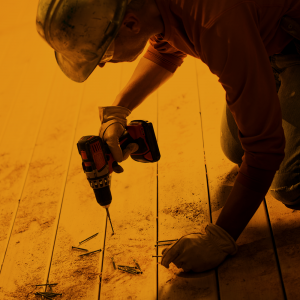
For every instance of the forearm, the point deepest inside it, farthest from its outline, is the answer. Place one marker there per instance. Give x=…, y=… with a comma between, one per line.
x=240, y=206
x=146, y=78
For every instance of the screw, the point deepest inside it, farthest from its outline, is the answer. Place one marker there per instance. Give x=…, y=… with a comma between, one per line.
x=99, y=250
x=46, y=284
x=127, y=267
x=89, y=238
x=137, y=264
x=167, y=241
x=79, y=248
x=132, y=271
x=113, y=263
x=40, y=294
x=162, y=245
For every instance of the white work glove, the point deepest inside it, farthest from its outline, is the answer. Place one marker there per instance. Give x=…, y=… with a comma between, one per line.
x=113, y=123
x=200, y=252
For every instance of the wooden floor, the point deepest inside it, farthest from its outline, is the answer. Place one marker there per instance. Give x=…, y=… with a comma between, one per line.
x=47, y=205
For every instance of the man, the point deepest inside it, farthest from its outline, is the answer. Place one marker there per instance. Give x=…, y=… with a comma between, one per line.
x=237, y=39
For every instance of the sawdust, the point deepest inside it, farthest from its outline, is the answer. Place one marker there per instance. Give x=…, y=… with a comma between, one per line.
x=73, y=272
x=229, y=178
x=192, y=211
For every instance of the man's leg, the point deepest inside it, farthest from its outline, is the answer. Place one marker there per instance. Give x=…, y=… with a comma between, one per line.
x=286, y=183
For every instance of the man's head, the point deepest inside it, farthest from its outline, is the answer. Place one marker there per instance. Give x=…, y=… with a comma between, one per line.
x=83, y=32
x=141, y=21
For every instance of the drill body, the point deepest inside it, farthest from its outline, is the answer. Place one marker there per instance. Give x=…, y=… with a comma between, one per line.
x=97, y=160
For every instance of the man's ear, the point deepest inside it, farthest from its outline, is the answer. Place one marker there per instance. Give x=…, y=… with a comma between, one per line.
x=131, y=23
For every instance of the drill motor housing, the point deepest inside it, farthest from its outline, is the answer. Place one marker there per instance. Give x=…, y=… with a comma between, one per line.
x=98, y=162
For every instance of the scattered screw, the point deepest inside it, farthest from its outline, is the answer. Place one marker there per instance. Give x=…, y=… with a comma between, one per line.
x=46, y=284
x=48, y=294
x=132, y=271
x=128, y=267
x=89, y=238
x=40, y=294
x=137, y=265
x=167, y=241
x=113, y=263
x=79, y=248
x=162, y=245
x=99, y=250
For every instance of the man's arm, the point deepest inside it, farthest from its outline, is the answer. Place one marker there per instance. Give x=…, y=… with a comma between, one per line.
x=147, y=77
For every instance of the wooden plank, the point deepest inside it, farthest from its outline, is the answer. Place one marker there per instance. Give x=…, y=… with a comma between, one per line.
x=81, y=215
x=20, y=129
x=285, y=225
x=15, y=64
x=31, y=242
x=17, y=14
x=252, y=273
x=133, y=216
x=182, y=188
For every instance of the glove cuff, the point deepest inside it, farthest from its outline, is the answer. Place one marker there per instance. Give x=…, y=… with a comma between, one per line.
x=116, y=113
x=222, y=238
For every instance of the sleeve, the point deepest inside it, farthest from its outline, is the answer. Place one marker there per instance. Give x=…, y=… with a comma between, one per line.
x=233, y=50
x=163, y=54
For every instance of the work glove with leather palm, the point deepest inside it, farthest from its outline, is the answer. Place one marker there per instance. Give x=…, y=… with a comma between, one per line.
x=113, y=123
x=200, y=252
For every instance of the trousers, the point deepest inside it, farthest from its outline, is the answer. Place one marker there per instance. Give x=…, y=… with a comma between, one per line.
x=286, y=183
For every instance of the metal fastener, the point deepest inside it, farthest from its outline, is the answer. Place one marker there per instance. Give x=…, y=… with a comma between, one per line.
x=167, y=241
x=127, y=267
x=162, y=245
x=113, y=263
x=73, y=247
x=46, y=284
x=89, y=238
x=99, y=250
x=132, y=271
x=40, y=294
x=137, y=264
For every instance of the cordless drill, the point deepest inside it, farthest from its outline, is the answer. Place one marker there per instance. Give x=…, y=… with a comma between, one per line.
x=98, y=162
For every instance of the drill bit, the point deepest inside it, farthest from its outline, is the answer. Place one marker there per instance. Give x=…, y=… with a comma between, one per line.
x=109, y=220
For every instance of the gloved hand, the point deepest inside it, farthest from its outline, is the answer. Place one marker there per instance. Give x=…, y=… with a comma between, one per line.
x=200, y=252
x=113, y=123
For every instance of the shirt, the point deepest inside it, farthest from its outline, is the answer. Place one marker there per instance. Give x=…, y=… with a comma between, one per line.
x=234, y=38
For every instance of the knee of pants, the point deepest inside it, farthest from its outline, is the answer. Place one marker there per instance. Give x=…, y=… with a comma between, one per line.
x=286, y=189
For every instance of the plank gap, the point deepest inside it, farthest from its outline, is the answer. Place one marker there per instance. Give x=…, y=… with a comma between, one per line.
x=64, y=184
x=102, y=263
x=27, y=166
x=275, y=250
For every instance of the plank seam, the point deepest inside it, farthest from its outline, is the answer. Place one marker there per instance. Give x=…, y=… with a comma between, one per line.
x=26, y=172
x=65, y=183
x=157, y=224
x=103, y=252
x=275, y=250
x=206, y=175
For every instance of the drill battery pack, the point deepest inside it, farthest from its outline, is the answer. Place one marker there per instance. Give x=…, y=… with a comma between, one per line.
x=142, y=133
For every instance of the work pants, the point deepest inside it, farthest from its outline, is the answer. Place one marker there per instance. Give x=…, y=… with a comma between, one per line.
x=286, y=183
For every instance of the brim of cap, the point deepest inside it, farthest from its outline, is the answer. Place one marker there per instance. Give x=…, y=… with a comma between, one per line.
x=78, y=72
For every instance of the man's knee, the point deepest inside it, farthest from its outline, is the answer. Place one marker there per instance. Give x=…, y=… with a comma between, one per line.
x=286, y=189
